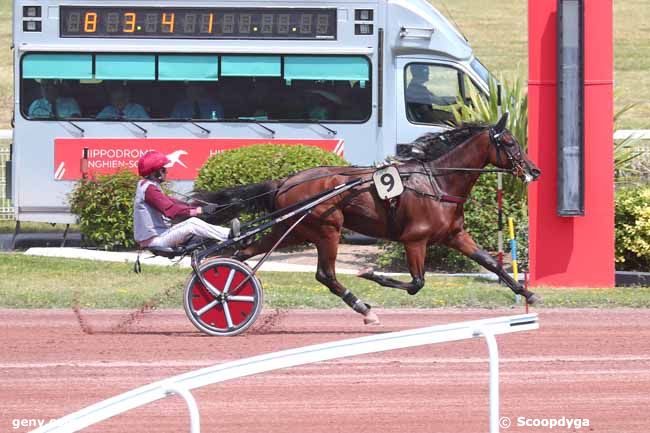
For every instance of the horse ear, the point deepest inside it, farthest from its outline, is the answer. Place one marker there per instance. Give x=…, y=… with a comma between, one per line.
x=501, y=124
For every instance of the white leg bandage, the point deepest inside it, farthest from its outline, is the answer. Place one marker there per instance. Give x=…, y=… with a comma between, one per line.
x=181, y=232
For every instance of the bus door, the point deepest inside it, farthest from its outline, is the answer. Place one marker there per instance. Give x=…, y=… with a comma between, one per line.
x=426, y=92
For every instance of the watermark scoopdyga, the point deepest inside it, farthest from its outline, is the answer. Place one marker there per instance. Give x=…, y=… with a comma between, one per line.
x=549, y=423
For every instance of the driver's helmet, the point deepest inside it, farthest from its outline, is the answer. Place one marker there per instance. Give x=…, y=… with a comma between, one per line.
x=151, y=162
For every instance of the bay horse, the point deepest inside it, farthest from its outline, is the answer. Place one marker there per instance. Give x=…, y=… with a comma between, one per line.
x=438, y=176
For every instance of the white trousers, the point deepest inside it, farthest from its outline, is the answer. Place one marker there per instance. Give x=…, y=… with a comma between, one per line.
x=181, y=232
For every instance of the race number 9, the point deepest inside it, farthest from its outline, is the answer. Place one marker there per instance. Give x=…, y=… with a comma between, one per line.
x=388, y=182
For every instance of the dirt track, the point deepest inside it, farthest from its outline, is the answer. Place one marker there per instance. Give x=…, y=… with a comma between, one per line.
x=592, y=364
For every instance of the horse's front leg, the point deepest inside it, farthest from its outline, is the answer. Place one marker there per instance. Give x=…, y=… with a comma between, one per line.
x=415, y=253
x=464, y=243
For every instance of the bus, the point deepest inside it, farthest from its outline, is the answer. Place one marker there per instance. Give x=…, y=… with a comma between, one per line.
x=98, y=83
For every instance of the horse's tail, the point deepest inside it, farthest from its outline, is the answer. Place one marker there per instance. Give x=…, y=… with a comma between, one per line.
x=253, y=198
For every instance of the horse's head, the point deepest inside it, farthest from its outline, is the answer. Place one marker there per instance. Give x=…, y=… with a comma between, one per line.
x=506, y=153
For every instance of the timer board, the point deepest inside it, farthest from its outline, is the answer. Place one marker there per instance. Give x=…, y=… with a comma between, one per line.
x=197, y=23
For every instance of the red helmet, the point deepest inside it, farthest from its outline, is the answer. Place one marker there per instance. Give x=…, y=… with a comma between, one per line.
x=151, y=161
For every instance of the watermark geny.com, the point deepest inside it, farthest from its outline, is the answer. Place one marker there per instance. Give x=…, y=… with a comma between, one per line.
x=549, y=423
x=20, y=423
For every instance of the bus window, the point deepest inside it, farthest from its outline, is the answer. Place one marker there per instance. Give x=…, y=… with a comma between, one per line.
x=176, y=88
x=430, y=92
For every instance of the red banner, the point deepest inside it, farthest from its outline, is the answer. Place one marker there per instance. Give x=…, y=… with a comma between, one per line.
x=107, y=155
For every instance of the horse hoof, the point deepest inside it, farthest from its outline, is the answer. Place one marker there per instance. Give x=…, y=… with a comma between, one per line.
x=365, y=273
x=534, y=299
x=371, y=319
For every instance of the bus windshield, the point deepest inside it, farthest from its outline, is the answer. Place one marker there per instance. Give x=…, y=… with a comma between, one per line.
x=210, y=87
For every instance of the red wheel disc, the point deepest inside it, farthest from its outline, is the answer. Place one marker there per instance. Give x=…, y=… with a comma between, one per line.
x=218, y=277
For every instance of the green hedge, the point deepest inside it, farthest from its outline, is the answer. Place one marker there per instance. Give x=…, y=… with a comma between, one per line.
x=260, y=162
x=105, y=209
x=481, y=222
x=633, y=229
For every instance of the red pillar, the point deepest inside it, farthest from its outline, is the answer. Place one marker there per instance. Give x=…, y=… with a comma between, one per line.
x=571, y=251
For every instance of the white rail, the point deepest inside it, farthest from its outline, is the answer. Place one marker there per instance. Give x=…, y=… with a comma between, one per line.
x=182, y=384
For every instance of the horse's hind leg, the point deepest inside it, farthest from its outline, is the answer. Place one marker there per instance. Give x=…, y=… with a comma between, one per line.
x=326, y=274
x=464, y=243
x=415, y=252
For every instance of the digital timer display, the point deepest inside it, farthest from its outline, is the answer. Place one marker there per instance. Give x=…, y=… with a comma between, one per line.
x=197, y=23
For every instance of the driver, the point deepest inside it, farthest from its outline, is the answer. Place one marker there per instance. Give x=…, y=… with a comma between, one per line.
x=419, y=99
x=153, y=210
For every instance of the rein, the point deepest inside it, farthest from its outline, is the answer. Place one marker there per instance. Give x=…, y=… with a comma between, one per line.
x=224, y=207
x=439, y=194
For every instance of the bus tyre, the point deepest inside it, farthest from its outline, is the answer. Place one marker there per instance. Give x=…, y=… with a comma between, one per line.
x=235, y=306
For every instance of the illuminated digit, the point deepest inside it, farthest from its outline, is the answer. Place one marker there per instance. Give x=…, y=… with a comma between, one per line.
x=129, y=22
x=206, y=23
x=90, y=22
x=168, y=22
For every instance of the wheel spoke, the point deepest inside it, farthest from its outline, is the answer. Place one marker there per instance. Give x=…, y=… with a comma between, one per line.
x=231, y=275
x=206, y=308
x=210, y=288
x=226, y=312
x=241, y=298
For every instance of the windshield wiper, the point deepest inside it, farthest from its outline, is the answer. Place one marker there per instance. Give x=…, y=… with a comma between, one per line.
x=144, y=131
x=330, y=131
x=204, y=130
x=258, y=123
x=79, y=128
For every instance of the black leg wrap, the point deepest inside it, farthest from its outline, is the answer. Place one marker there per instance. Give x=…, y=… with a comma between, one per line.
x=416, y=285
x=354, y=303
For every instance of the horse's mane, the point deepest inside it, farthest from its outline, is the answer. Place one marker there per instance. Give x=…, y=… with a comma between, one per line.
x=433, y=145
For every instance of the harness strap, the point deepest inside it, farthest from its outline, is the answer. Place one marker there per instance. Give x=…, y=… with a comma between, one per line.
x=438, y=193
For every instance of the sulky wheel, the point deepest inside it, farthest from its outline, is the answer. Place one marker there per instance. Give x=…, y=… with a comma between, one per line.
x=225, y=310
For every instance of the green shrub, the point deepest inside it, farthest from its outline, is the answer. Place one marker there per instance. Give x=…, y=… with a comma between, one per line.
x=105, y=209
x=481, y=222
x=633, y=229
x=260, y=162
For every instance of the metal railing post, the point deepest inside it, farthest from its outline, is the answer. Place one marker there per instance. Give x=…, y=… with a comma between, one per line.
x=195, y=421
x=493, y=352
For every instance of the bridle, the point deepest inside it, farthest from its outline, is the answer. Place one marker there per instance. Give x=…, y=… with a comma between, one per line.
x=516, y=163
